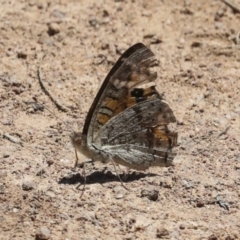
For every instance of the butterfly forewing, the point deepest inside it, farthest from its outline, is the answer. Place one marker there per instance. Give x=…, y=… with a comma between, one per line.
x=131, y=70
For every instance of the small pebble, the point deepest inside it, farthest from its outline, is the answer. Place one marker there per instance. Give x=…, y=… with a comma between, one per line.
x=119, y=192
x=43, y=233
x=166, y=183
x=196, y=45
x=119, y=196
x=58, y=14
x=28, y=185
x=182, y=226
x=15, y=210
x=53, y=29
x=5, y=122
x=22, y=54
x=93, y=22
x=237, y=166
x=200, y=204
x=149, y=35
x=14, y=81
x=150, y=194
x=162, y=233
x=18, y=90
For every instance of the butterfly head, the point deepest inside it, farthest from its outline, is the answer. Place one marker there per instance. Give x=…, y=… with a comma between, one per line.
x=76, y=140
x=80, y=144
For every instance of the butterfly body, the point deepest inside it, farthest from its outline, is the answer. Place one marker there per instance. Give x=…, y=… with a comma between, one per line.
x=127, y=123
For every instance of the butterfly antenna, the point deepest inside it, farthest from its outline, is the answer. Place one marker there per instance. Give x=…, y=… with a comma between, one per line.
x=59, y=106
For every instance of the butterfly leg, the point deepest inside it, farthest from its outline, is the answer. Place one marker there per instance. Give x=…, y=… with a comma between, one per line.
x=76, y=163
x=83, y=174
x=125, y=172
x=114, y=165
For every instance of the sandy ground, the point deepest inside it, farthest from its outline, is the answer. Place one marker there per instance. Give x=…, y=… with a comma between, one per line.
x=197, y=44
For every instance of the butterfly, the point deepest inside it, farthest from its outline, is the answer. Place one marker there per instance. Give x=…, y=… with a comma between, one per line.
x=127, y=123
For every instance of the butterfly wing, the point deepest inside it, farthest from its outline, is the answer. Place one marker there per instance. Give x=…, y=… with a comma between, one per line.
x=138, y=137
x=139, y=157
x=119, y=89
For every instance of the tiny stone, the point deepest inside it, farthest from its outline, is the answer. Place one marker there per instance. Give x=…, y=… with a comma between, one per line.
x=119, y=196
x=196, y=44
x=22, y=54
x=9, y=53
x=237, y=166
x=25, y=196
x=43, y=234
x=50, y=162
x=5, y=122
x=63, y=216
x=149, y=35
x=41, y=5
x=15, y=210
x=188, y=57
x=182, y=226
x=17, y=90
x=27, y=185
x=105, y=46
x=99, y=60
x=166, y=183
x=150, y=194
x=26, y=223
x=156, y=39
x=162, y=233
x=37, y=107
x=58, y=14
x=41, y=172
x=119, y=192
x=93, y=22
x=32, y=3
x=53, y=29
x=200, y=204
x=14, y=81
x=45, y=39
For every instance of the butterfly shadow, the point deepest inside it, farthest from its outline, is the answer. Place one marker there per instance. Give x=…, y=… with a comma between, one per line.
x=103, y=177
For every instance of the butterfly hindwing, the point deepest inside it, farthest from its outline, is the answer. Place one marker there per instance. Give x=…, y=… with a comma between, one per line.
x=141, y=116
x=139, y=157
x=140, y=130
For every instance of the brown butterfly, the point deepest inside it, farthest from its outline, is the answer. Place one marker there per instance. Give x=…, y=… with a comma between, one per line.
x=127, y=124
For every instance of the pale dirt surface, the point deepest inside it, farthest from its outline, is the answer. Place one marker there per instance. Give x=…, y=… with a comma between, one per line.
x=198, y=50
